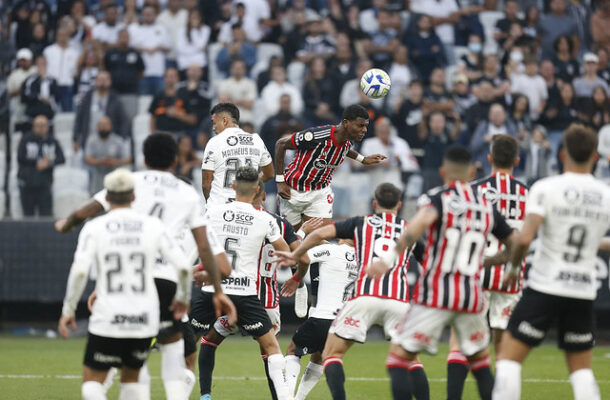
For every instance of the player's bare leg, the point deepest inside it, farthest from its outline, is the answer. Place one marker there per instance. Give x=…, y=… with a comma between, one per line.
x=92, y=388
x=457, y=369
x=207, y=354
x=130, y=387
x=508, y=368
x=581, y=375
x=276, y=362
x=333, y=353
x=496, y=335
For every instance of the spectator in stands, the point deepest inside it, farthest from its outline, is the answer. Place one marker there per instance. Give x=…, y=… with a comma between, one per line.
x=520, y=115
x=168, y=110
x=318, y=94
x=561, y=111
x=479, y=110
x=400, y=162
x=39, y=40
x=436, y=138
x=547, y=72
x=532, y=21
x=382, y=42
x=401, y=73
x=511, y=15
x=408, y=115
x=265, y=76
x=23, y=13
x=275, y=125
x=239, y=90
x=250, y=26
x=462, y=97
x=444, y=14
x=537, y=155
x=62, y=61
x=342, y=67
x=237, y=48
x=316, y=43
x=188, y=159
x=471, y=63
x=174, y=19
x=603, y=69
x=278, y=86
x=7, y=52
x=15, y=80
x=533, y=86
x=98, y=102
x=566, y=65
x=436, y=96
x=259, y=12
x=107, y=32
x=197, y=98
x=89, y=65
x=584, y=85
x=192, y=43
x=39, y=93
x=152, y=41
x=495, y=124
x=600, y=25
x=426, y=48
x=492, y=74
x=596, y=111
x=37, y=155
x=105, y=152
x=555, y=24
x=126, y=68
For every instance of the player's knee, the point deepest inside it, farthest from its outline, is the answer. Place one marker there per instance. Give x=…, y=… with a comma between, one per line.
x=480, y=355
x=92, y=390
x=584, y=385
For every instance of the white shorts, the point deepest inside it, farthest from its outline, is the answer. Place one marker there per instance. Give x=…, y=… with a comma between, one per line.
x=500, y=306
x=314, y=204
x=225, y=329
x=358, y=315
x=422, y=326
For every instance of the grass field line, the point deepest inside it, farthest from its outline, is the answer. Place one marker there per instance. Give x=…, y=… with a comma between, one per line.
x=262, y=378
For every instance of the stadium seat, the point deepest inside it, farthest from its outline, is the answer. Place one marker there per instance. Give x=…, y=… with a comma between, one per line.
x=488, y=20
x=259, y=114
x=16, y=211
x=65, y=202
x=140, y=129
x=459, y=52
x=67, y=179
x=263, y=54
x=64, y=122
x=143, y=104
x=214, y=75
x=296, y=73
x=2, y=170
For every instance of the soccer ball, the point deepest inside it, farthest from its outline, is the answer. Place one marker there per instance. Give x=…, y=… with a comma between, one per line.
x=375, y=83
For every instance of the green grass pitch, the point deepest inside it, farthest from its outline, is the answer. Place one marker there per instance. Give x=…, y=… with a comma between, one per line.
x=36, y=368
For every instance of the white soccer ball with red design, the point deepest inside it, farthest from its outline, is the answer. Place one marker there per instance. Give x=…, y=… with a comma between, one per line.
x=375, y=83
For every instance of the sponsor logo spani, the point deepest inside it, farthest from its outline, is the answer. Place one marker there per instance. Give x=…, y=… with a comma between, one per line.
x=141, y=319
x=239, y=281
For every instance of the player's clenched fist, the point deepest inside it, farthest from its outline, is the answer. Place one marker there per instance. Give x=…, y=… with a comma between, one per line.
x=283, y=190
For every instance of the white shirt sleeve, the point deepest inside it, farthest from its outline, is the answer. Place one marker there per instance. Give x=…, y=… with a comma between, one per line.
x=536, y=200
x=213, y=241
x=197, y=216
x=100, y=197
x=77, y=280
x=209, y=156
x=265, y=155
x=273, y=230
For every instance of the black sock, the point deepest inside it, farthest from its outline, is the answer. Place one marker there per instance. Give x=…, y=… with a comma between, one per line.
x=457, y=371
x=269, y=381
x=335, y=377
x=401, y=385
x=419, y=382
x=207, y=355
x=485, y=380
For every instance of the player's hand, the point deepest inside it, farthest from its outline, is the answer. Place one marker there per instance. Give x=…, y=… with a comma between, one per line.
x=61, y=225
x=311, y=225
x=224, y=305
x=200, y=276
x=289, y=287
x=179, y=308
x=91, y=300
x=62, y=326
x=376, y=269
x=283, y=190
x=284, y=259
x=510, y=279
x=373, y=159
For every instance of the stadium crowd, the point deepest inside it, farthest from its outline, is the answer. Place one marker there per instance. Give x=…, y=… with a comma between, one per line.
x=84, y=82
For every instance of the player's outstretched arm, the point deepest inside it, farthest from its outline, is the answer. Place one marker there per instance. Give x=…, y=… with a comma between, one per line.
x=90, y=209
x=283, y=190
x=366, y=160
x=286, y=259
x=267, y=172
x=207, y=176
x=502, y=256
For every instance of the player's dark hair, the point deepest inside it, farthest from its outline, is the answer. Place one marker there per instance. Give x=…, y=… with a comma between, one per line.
x=387, y=195
x=458, y=155
x=580, y=142
x=504, y=150
x=246, y=174
x=120, y=198
x=160, y=151
x=228, y=108
x=355, y=111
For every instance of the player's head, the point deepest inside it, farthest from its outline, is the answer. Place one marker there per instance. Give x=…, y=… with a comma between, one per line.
x=387, y=198
x=261, y=196
x=355, y=122
x=457, y=165
x=246, y=184
x=160, y=151
x=579, y=146
x=224, y=115
x=503, y=152
x=119, y=187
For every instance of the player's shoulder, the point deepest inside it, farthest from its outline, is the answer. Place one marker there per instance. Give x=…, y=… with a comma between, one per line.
x=314, y=134
x=433, y=194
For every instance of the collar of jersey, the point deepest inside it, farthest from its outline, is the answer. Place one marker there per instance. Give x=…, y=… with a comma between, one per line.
x=230, y=130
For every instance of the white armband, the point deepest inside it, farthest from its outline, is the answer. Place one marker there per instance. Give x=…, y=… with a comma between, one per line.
x=360, y=158
x=279, y=178
x=301, y=234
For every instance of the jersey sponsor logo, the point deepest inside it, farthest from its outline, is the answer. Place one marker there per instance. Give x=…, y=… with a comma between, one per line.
x=308, y=136
x=208, y=157
x=239, y=281
x=576, y=277
x=592, y=198
x=375, y=221
x=477, y=336
x=228, y=216
x=455, y=205
x=320, y=164
x=349, y=256
x=322, y=253
x=422, y=338
x=349, y=321
x=491, y=194
x=571, y=195
x=232, y=140
x=106, y=358
x=199, y=325
x=507, y=311
x=113, y=226
x=134, y=319
x=246, y=140
x=573, y=337
x=253, y=327
x=330, y=198
x=528, y=330
x=140, y=355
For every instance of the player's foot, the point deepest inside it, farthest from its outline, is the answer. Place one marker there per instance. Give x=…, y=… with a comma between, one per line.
x=206, y=397
x=300, y=301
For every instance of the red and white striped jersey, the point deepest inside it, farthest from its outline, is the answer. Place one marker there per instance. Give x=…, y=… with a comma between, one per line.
x=373, y=236
x=455, y=244
x=318, y=156
x=508, y=195
x=266, y=282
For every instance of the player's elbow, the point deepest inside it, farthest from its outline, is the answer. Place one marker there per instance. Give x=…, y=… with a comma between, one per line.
x=224, y=268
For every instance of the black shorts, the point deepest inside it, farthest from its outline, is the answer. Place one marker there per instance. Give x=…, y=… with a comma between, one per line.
x=166, y=290
x=102, y=353
x=190, y=346
x=311, y=336
x=536, y=312
x=251, y=315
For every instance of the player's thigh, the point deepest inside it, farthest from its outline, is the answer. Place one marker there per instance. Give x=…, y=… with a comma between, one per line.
x=102, y=353
x=293, y=208
x=268, y=343
x=576, y=325
x=336, y=346
x=420, y=329
x=355, y=318
x=169, y=328
x=202, y=313
x=190, y=339
x=320, y=203
x=532, y=317
x=393, y=313
x=134, y=353
x=311, y=336
x=501, y=306
x=472, y=332
x=274, y=316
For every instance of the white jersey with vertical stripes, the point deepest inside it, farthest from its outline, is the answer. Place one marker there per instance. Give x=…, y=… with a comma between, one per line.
x=576, y=215
x=338, y=271
x=225, y=153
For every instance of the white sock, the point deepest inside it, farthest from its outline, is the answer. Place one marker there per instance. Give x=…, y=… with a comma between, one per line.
x=190, y=381
x=109, y=379
x=508, y=380
x=144, y=382
x=584, y=385
x=130, y=391
x=276, y=365
x=310, y=378
x=293, y=367
x=172, y=370
x=92, y=390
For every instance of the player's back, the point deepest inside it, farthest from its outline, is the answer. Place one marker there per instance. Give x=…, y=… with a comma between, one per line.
x=225, y=153
x=126, y=246
x=576, y=212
